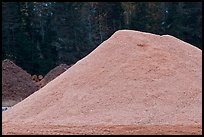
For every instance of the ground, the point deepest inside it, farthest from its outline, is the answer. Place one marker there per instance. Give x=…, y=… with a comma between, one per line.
x=103, y=129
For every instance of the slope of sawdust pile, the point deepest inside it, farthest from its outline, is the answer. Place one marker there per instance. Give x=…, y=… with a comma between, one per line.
x=52, y=74
x=16, y=83
x=133, y=83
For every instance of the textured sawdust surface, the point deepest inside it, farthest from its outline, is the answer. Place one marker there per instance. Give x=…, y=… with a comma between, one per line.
x=133, y=83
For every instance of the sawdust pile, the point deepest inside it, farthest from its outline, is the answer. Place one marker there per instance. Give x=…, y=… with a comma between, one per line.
x=16, y=83
x=133, y=83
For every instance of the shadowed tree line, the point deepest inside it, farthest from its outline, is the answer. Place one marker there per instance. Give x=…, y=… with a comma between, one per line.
x=38, y=36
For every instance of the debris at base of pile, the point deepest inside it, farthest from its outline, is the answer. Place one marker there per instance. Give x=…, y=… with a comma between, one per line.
x=35, y=78
x=40, y=77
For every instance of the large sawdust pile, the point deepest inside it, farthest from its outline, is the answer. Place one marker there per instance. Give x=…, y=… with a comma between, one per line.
x=16, y=83
x=52, y=74
x=133, y=83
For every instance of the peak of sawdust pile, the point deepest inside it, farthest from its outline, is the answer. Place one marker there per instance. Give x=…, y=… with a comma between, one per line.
x=133, y=78
x=52, y=74
x=16, y=83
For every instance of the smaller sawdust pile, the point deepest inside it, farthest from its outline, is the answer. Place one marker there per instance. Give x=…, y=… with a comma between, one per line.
x=16, y=83
x=52, y=74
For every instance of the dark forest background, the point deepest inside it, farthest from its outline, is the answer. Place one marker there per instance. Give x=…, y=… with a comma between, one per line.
x=38, y=36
